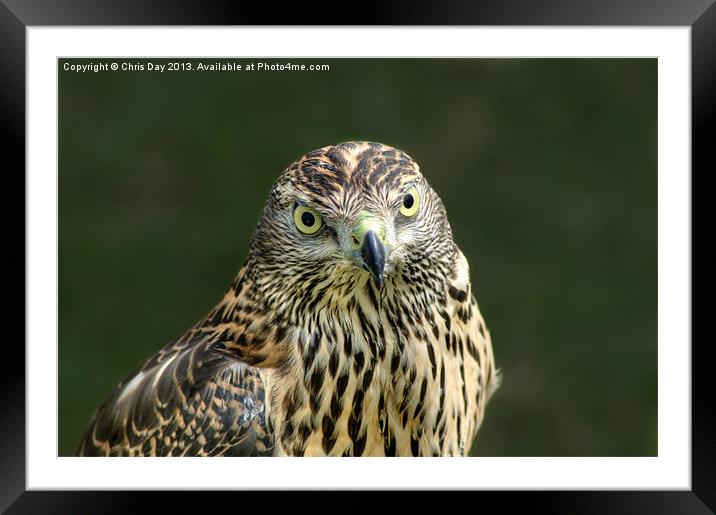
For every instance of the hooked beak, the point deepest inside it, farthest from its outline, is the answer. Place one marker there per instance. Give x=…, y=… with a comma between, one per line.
x=369, y=245
x=373, y=253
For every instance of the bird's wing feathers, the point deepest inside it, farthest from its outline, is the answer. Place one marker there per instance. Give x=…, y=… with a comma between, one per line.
x=189, y=399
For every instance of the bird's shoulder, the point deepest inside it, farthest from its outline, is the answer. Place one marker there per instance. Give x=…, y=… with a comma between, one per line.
x=469, y=326
x=191, y=398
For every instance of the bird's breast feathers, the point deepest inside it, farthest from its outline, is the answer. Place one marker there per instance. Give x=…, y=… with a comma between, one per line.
x=389, y=373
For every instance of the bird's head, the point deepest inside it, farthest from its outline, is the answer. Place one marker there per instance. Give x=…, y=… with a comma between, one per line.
x=351, y=214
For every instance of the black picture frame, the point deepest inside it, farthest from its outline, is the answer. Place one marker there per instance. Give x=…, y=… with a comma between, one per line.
x=17, y=15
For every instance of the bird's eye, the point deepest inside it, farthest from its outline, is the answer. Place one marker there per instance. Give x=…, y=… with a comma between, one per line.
x=411, y=202
x=307, y=220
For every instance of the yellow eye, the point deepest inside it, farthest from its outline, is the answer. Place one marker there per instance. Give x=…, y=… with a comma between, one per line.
x=307, y=220
x=411, y=202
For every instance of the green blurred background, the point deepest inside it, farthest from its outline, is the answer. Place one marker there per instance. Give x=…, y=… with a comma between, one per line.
x=548, y=169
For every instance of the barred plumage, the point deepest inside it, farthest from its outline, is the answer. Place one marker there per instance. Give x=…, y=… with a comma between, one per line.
x=350, y=330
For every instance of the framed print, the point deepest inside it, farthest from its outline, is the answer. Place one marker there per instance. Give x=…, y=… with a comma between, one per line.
x=504, y=212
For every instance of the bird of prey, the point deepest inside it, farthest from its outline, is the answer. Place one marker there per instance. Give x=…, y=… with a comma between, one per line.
x=351, y=330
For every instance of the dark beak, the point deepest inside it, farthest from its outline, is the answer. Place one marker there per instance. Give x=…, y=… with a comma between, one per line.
x=373, y=253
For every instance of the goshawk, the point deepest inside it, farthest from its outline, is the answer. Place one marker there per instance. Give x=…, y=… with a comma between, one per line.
x=351, y=330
